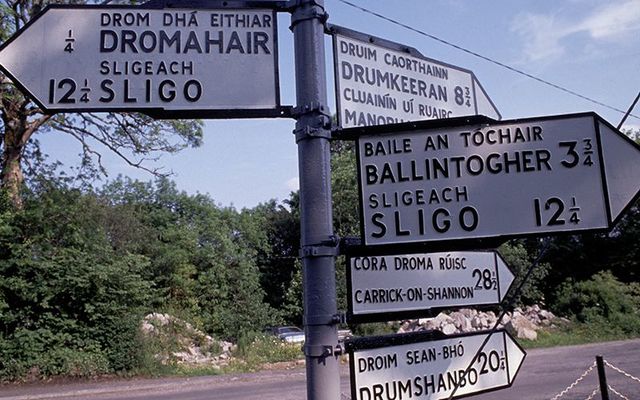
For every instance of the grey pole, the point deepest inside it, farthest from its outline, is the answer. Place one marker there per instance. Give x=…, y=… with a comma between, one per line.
x=602, y=378
x=317, y=236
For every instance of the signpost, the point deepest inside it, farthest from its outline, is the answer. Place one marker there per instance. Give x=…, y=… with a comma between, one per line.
x=474, y=178
x=415, y=366
x=383, y=288
x=453, y=179
x=381, y=82
x=163, y=62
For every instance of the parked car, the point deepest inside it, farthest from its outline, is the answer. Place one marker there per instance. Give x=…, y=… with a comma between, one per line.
x=290, y=334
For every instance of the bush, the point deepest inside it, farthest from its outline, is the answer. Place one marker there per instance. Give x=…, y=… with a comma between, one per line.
x=255, y=349
x=75, y=363
x=602, y=300
x=42, y=353
x=69, y=304
x=517, y=257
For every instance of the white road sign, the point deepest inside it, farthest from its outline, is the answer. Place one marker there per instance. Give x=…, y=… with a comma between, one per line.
x=381, y=82
x=86, y=58
x=430, y=370
x=565, y=173
x=381, y=287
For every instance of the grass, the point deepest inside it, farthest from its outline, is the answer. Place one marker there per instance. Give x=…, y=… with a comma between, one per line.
x=573, y=333
x=254, y=351
x=205, y=370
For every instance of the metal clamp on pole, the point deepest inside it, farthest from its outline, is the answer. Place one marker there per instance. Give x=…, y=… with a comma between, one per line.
x=317, y=127
x=327, y=248
x=317, y=351
x=339, y=349
x=315, y=11
x=308, y=132
x=322, y=351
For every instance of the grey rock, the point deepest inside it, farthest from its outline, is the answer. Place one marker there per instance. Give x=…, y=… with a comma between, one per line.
x=461, y=322
x=442, y=319
x=449, y=329
x=521, y=327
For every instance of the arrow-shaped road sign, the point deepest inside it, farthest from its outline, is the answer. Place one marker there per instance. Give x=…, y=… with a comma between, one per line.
x=164, y=62
x=415, y=366
x=382, y=288
x=472, y=178
x=382, y=82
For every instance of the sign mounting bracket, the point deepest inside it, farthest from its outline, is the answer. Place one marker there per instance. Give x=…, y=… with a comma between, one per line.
x=326, y=248
x=319, y=127
x=318, y=351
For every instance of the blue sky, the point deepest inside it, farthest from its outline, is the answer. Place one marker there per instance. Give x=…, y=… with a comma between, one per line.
x=588, y=46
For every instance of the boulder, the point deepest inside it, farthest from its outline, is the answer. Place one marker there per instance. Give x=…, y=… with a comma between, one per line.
x=522, y=328
x=461, y=322
x=431, y=325
x=521, y=323
x=449, y=329
x=441, y=319
x=192, y=347
x=468, y=312
x=546, y=315
x=479, y=322
x=404, y=327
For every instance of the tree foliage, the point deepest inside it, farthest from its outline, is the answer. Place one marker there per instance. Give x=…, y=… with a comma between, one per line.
x=65, y=290
x=277, y=248
x=136, y=139
x=603, y=300
x=202, y=258
x=79, y=269
x=519, y=257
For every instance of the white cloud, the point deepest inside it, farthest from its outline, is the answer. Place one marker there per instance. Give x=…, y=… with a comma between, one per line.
x=613, y=21
x=293, y=184
x=544, y=35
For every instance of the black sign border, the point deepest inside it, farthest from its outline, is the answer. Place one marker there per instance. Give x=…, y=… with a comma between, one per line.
x=336, y=30
x=279, y=111
x=479, y=242
x=376, y=342
x=364, y=251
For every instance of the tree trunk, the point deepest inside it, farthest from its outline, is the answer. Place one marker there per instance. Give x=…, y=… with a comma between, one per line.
x=11, y=177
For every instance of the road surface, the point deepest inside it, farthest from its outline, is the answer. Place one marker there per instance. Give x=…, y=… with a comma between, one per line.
x=545, y=373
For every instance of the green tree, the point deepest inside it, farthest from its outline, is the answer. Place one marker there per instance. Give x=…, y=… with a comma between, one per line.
x=346, y=208
x=277, y=248
x=602, y=300
x=137, y=139
x=202, y=257
x=70, y=302
x=519, y=257
x=346, y=214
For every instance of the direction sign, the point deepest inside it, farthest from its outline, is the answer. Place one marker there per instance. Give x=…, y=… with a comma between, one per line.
x=414, y=366
x=164, y=62
x=476, y=178
x=382, y=288
x=381, y=82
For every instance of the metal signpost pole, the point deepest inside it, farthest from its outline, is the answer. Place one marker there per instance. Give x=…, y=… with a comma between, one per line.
x=317, y=238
